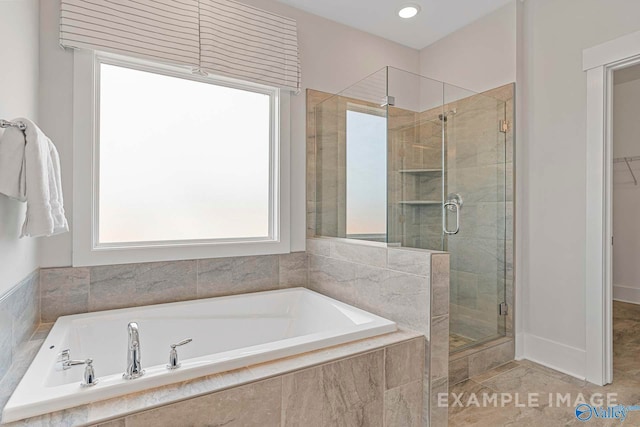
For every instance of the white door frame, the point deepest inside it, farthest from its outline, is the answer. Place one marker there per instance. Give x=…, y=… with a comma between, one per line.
x=600, y=62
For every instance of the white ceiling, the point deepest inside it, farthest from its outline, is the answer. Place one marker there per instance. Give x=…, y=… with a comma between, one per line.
x=380, y=17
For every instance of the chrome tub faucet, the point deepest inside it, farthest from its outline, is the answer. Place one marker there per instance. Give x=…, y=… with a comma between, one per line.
x=134, y=367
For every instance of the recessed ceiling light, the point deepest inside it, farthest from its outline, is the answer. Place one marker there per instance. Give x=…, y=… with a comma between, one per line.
x=409, y=11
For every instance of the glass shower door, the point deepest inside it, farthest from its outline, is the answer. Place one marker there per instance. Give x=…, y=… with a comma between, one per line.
x=447, y=190
x=474, y=214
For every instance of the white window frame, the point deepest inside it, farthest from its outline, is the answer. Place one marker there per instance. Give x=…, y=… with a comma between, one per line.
x=86, y=249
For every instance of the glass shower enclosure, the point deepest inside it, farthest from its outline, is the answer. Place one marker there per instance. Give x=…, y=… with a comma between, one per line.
x=418, y=163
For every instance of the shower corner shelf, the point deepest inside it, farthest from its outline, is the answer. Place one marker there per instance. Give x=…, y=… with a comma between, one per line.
x=417, y=171
x=420, y=202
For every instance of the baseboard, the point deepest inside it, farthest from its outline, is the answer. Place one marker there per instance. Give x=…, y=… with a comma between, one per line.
x=561, y=357
x=626, y=294
x=519, y=346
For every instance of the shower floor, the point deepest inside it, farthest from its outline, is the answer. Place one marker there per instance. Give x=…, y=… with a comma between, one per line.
x=457, y=342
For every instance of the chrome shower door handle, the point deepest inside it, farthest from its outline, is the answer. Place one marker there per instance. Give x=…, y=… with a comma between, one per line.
x=453, y=206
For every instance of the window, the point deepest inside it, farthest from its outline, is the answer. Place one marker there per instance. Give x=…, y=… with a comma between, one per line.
x=183, y=166
x=181, y=159
x=366, y=186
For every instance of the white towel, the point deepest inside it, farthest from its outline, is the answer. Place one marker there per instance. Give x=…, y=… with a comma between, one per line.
x=39, y=182
x=12, y=164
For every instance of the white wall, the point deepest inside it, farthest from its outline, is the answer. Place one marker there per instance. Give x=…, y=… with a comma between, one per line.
x=553, y=230
x=479, y=57
x=538, y=44
x=18, y=97
x=56, y=119
x=626, y=112
x=333, y=57
x=626, y=195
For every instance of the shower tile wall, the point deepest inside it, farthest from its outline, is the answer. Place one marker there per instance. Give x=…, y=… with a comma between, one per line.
x=314, y=97
x=415, y=174
x=400, y=130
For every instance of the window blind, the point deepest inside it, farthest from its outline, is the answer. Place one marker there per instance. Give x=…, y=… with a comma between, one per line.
x=161, y=30
x=221, y=37
x=242, y=41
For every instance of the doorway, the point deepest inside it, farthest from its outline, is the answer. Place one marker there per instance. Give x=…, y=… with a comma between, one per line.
x=625, y=167
x=600, y=62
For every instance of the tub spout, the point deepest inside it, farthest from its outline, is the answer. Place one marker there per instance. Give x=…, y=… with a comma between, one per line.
x=134, y=367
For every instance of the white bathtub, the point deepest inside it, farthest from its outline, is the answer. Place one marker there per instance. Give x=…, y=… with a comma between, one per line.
x=227, y=332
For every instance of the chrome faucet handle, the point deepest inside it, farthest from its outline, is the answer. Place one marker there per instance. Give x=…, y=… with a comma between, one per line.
x=183, y=342
x=173, y=354
x=65, y=362
x=63, y=357
x=89, y=374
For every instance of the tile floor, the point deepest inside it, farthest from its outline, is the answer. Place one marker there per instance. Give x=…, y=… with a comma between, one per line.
x=523, y=377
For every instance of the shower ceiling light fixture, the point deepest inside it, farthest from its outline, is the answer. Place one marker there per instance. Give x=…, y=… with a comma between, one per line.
x=409, y=11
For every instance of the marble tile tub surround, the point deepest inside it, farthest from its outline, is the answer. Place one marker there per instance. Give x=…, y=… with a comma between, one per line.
x=74, y=290
x=19, y=318
x=366, y=382
x=347, y=392
x=392, y=282
x=409, y=286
